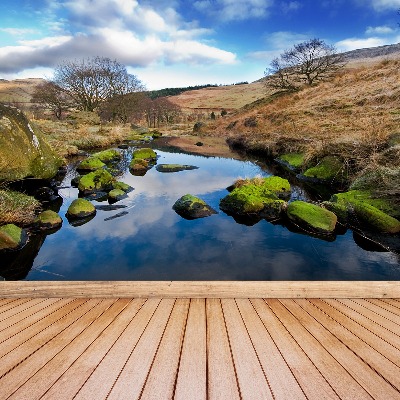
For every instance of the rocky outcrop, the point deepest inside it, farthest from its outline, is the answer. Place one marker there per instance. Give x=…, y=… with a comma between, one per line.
x=191, y=207
x=23, y=151
x=11, y=237
x=96, y=181
x=90, y=164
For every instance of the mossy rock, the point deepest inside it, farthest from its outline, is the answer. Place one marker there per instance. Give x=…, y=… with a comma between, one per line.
x=191, y=207
x=48, y=220
x=252, y=199
x=174, y=167
x=116, y=195
x=144, y=154
x=122, y=186
x=80, y=208
x=328, y=170
x=107, y=156
x=12, y=237
x=348, y=199
x=338, y=209
x=292, y=161
x=100, y=180
x=23, y=150
x=139, y=165
x=90, y=164
x=375, y=218
x=311, y=217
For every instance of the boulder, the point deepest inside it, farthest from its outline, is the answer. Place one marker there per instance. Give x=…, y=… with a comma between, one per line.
x=90, y=164
x=80, y=208
x=122, y=186
x=291, y=161
x=47, y=220
x=139, y=167
x=174, y=167
x=116, y=195
x=311, y=217
x=191, y=207
x=330, y=169
x=145, y=154
x=108, y=155
x=96, y=181
x=12, y=237
x=23, y=151
x=249, y=200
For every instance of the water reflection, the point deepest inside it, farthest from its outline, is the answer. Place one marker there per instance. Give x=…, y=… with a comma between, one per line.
x=151, y=242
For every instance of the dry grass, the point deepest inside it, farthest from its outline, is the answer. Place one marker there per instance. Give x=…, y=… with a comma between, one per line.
x=17, y=208
x=351, y=116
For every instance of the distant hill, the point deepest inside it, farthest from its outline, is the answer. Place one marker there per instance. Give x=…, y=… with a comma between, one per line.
x=373, y=53
x=18, y=90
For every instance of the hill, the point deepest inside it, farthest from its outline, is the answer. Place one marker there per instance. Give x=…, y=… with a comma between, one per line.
x=18, y=90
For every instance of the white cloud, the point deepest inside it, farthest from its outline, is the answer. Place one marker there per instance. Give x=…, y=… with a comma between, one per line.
x=382, y=5
x=355, y=43
x=289, y=6
x=18, y=31
x=379, y=30
x=234, y=10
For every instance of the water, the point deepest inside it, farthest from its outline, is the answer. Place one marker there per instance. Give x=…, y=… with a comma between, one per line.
x=152, y=242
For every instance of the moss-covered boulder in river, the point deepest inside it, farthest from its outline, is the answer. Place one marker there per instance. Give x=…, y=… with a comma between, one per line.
x=116, y=195
x=90, y=164
x=145, y=154
x=11, y=237
x=191, y=207
x=80, y=208
x=23, y=151
x=311, y=217
x=100, y=180
x=47, y=220
x=291, y=161
x=122, y=186
x=108, y=155
x=252, y=199
x=329, y=170
x=174, y=167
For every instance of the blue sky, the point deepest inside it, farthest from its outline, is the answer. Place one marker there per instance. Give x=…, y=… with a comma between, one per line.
x=172, y=43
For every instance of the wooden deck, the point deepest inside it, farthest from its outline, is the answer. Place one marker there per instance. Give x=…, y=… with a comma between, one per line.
x=199, y=348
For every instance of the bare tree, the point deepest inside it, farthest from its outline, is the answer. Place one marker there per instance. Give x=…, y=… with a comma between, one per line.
x=305, y=64
x=52, y=96
x=93, y=81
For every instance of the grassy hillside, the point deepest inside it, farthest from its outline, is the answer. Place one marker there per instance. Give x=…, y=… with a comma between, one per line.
x=18, y=90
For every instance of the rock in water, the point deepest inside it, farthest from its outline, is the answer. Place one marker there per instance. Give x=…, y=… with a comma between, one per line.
x=311, y=217
x=191, y=207
x=80, y=208
x=48, y=220
x=23, y=151
x=11, y=237
x=174, y=167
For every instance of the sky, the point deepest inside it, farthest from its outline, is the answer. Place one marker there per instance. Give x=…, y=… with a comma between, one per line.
x=177, y=43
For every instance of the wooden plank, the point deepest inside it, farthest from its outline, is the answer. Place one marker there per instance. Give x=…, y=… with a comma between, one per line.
x=362, y=361
x=222, y=382
x=80, y=371
x=133, y=376
x=192, y=374
x=282, y=382
x=26, y=370
x=101, y=381
x=10, y=305
x=390, y=314
x=160, y=383
x=252, y=381
x=315, y=341
x=371, y=322
x=202, y=289
x=43, y=379
x=312, y=382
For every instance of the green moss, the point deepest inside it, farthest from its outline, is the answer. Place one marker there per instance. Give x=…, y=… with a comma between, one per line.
x=328, y=169
x=191, y=207
x=108, y=155
x=139, y=165
x=91, y=164
x=375, y=218
x=252, y=199
x=122, y=186
x=96, y=181
x=295, y=160
x=278, y=185
x=116, y=194
x=348, y=199
x=10, y=237
x=311, y=217
x=80, y=208
x=144, y=154
x=174, y=167
x=48, y=220
x=338, y=209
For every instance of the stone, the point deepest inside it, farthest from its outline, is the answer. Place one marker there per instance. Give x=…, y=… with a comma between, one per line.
x=47, y=220
x=116, y=195
x=311, y=217
x=107, y=156
x=90, y=164
x=174, y=167
x=330, y=169
x=12, y=237
x=80, y=208
x=23, y=150
x=100, y=180
x=122, y=186
x=144, y=154
x=291, y=161
x=191, y=207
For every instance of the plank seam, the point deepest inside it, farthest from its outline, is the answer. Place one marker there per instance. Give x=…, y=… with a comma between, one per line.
x=279, y=350
x=258, y=357
x=131, y=352
x=357, y=355
x=19, y=312
x=377, y=313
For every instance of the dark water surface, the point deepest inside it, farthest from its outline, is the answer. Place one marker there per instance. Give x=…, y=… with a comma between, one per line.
x=151, y=242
